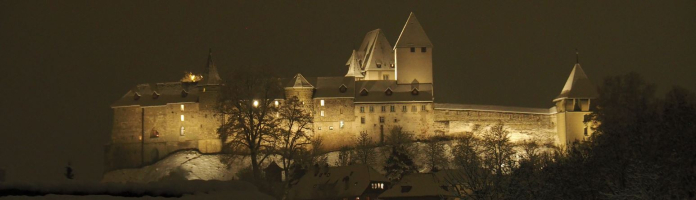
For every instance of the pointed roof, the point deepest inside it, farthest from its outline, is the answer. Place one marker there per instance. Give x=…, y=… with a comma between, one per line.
x=578, y=86
x=413, y=34
x=353, y=66
x=210, y=76
x=300, y=81
x=374, y=50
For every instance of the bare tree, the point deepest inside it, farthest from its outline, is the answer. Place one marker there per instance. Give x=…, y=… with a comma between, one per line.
x=435, y=155
x=247, y=106
x=470, y=175
x=364, y=151
x=498, y=158
x=400, y=140
x=292, y=138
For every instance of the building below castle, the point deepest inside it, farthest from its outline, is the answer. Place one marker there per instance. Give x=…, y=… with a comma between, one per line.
x=384, y=87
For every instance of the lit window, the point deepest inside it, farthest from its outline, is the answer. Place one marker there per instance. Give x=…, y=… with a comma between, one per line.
x=276, y=103
x=319, y=128
x=330, y=127
x=256, y=103
x=362, y=120
x=321, y=102
x=322, y=113
x=341, y=124
x=181, y=132
x=182, y=107
x=182, y=118
x=391, y=65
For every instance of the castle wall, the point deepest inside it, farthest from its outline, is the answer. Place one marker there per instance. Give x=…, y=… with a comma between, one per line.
x=336, y=110
x=522, y=126
x=572, y=127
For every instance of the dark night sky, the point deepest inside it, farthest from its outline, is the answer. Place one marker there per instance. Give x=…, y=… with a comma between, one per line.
x=65, y=62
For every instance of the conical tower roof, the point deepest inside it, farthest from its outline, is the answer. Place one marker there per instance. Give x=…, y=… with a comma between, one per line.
x=578, y=86
x=353, y=66
x=299, y=81
x=413, y=34
x=210, y=75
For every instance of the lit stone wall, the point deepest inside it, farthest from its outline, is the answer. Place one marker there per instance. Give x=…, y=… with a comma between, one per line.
x=522, y=126
x=162, y=125
x=329, y=125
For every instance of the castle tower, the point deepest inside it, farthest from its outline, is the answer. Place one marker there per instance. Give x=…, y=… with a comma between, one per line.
x=209, y=85
x=573, y=105
x=376, y=57
x=414, y=54
x=301, y=88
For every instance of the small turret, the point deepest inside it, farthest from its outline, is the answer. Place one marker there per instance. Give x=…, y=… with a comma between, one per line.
x=354, y=67
x=209, y=85
x=573, y=107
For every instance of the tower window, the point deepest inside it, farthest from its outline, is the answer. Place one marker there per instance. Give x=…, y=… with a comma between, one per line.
x=362, y=120
x=424, y=49
x=413, y=49
x=322, y=113
x=321, y=102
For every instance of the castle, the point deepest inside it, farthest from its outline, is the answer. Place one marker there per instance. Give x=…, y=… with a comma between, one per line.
x=384, y=87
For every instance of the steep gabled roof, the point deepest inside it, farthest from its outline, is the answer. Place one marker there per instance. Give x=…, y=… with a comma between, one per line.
x=353, y=66
x=578, y=86
x=375, y=49
x=210, y=76
x=299, y=81
x=413, y=35
x=336, y=182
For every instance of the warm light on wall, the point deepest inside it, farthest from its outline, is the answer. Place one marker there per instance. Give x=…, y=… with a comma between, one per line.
x=321, y=102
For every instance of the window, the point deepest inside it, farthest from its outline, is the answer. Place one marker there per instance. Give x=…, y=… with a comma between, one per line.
x=340, y=111
x=322, y=113
x=403, y=108
x=276, y=103
x=372, y=109
x=181, y=132
x=395, y=120
x=362, y=120
x=413, y=49
x=340, y=124
x=388, y=92
x=381, y=119
x=379, y=65
x=182, y=118
x=377, y=186
x=330, y=127
x=362, y=109
x=413, y=108
x=343, y=88
x=423, y=49
x=385, y=77
x=384, y=109
x=363, y=92
x=321, y=102
x=182, y=107
x=423, y=107
x=319, y=128
x=392, y=108
x=391, y=65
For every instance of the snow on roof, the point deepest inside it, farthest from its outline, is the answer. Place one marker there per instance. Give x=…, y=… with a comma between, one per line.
x=158, y=94
x=376, y=92
x=336, y=182
x=353, y=66
x=492, y=108
x=300, y=81
x=376, y=52
x=578, y=86
x=416, y=185
x=413, y=35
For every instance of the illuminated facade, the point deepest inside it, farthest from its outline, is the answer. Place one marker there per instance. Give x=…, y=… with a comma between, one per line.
x=384, y=87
